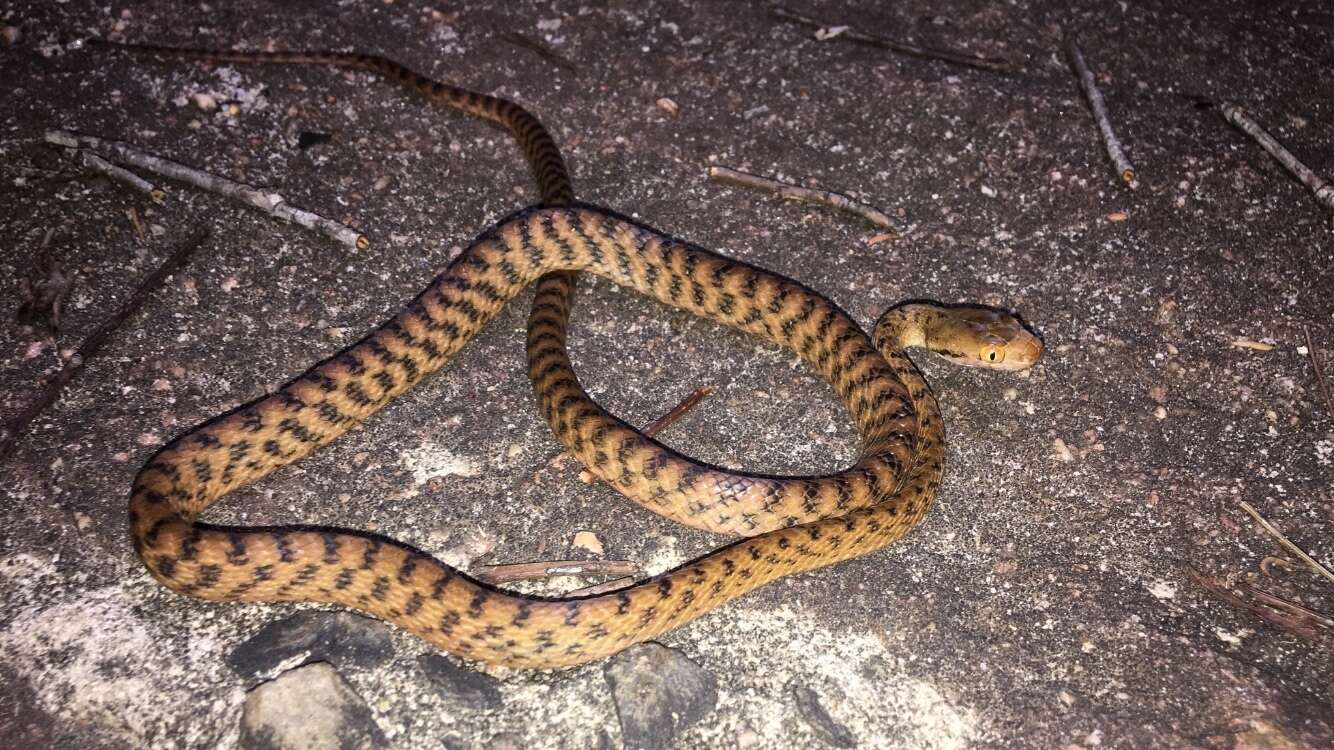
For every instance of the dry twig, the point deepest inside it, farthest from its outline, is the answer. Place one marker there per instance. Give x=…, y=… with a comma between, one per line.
x=122, y=175
x=658, y=425
x=663, y=422
x=1323, y=190
x=543, y=51
x=686, y=404
x=273, y=204
x=1292, y=607
x=1298, y=626
x=904, y=48
x=95, y=340
x=138, y=226
x=789, y=191
x=497, y=574
x=1319, y=372
x=1283, y=540
x=616, y=584
x=1123, y=166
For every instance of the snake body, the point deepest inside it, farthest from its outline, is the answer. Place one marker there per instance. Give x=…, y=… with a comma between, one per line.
x=792, y=524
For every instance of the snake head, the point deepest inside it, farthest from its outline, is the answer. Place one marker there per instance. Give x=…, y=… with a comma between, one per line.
x=977, y=336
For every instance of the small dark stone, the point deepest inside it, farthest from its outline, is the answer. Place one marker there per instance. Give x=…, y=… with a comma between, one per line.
x=310, y=706
x=506, y=741
x=472, y=689
x=340, y=638
x=818, y=719
x=308, y=139
x=658, y=692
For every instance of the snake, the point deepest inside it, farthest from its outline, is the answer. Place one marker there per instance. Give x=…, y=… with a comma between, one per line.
x=782, y=525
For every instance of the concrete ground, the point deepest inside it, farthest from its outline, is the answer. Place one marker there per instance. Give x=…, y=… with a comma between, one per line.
x=1046, y=601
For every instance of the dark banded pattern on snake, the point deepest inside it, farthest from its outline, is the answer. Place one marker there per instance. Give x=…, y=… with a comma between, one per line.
x=797, y=523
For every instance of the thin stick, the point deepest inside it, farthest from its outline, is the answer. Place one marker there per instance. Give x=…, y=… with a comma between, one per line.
x=1278, y=620
x=1283, y=540
x=665, y=421
x=1323, y=190
x=1123, y=166
x=122, y=175
x=138, y=225
x=95, y=340
x=787, y=190
x=1319, y=372
x=273, y=204
x=542, y=50
x=658, y=425
x=1279, y=602
x=616, y=584
x=687, y=403
x=496, y=574
x=904, y=48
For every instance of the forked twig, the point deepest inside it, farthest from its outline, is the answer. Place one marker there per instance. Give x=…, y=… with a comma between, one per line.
x=955, y=58
x=273, y=204
x=1300, y=627
x=95, y=340
x=496, y=574
x=789, y=191
x=1124, y=168
x=1283, y=540
x=1322, y=189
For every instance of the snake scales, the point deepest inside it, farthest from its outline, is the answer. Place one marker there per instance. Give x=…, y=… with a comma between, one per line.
x=792, y=524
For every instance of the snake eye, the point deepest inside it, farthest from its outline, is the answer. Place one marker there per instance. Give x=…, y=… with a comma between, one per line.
x=993, y=354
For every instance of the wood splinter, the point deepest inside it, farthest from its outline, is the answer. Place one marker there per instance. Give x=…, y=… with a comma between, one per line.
x=1124, y=168
x=653, y=428
x=789, y=191
x=497, y=574
x=273, y=204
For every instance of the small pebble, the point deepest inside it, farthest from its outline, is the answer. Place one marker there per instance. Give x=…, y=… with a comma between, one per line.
x=658, y=691
x=1062, y=451
x=587, y=540
x=668, y=106
x=309, y=707
x=204, y=101
x=11, y=35
x=471, y=689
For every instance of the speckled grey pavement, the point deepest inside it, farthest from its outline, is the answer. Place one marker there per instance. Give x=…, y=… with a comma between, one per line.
x=1045, y=602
